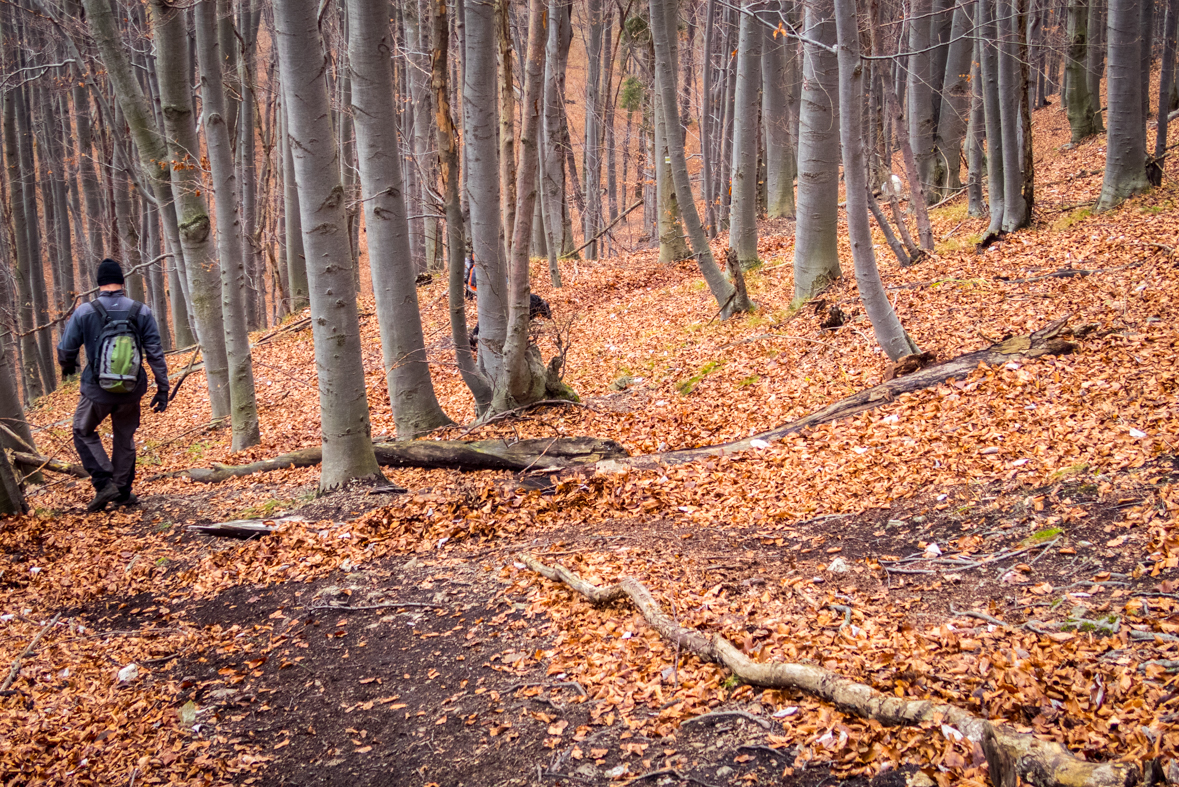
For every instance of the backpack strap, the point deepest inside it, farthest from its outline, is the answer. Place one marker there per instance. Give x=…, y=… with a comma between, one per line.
x=102, y=312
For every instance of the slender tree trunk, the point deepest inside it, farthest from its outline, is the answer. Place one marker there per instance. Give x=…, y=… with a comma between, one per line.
x=729, y=299
x=204, y=280
x=343, y=405
x=816, y=254
x=673, y=246
x=448, y=165
x=553, y=165
x=974, y=141
x=1082, y=119
x=743, y=228
x=1095, y=56
x=954, y=108
x=407, y=370
x=483, y=188
x=507, y=116
x=234, y=287
x=989, y=59
x=920, y=93
x=1015, y=209
x=885, y=323
x=128, y=230
x=706, y=124
x=779, y=146
x=245, y=163
x=1166, y=83
x=1125, y=161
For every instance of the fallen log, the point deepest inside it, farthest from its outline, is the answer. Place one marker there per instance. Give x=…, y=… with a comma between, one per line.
x=36, y=461
x=538, y=455
x=1046, y=341
x=1040, y=762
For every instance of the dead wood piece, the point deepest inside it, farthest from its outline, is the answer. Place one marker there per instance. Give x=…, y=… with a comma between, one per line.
x=719, y=714
x=909, y=364
x=24, y=654
x=241, y=528
x=47, y=463
x=999, y=761
x=1039, y=762
x=389, y=605
x=545, y=454
x=1045, y=341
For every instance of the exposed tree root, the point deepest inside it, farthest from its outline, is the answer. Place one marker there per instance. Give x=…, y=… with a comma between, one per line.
x=1039, y=762
x=1046, y=341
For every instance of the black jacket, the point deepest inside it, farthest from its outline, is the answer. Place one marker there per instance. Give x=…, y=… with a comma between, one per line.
x=85, y=328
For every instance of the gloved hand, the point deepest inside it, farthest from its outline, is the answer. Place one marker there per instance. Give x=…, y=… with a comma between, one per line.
x=159, y=402
x=68, y=369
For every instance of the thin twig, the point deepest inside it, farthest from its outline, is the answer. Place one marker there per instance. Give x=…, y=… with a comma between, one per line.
x=389, y=605
x=966, y=613
x=565, y=684
x=15, y=669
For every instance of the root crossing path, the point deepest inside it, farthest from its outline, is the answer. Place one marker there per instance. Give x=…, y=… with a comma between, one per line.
x=1039, y=762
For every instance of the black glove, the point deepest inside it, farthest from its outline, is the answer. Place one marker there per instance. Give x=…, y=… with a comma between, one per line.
x=159, y=402
x=68, y=369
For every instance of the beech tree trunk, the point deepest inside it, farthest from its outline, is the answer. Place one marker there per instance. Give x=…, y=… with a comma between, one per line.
x=1125, y=160
x=1083, y=120
x=173, y=68
x=1095, y=55
x=816, y=255
x=552, y=166
x=234, y=287
x=592, y=141
x=730, y=299
x=448, y=165
x=778, y=67
x=343, y=404
x=743, y=225
x=990, y=79
x=885, y=323
x=673, y=246
x=296, y=255
x=403, y=351
x=919, y=109
x=1166, y=83
x=955, y=104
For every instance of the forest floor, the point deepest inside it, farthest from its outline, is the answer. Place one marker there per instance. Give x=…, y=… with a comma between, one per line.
x=376, y=640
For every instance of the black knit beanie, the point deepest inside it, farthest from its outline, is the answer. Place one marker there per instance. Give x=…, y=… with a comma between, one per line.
x=109, y=272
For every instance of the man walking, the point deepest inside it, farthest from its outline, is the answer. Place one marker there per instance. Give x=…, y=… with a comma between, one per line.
x=119, y=334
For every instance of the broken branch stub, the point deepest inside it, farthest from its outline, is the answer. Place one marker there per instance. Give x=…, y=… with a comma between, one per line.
x=1039, y=762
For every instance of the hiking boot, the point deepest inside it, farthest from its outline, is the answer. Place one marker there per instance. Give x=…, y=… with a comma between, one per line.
x=127, y=501
x=105, y=495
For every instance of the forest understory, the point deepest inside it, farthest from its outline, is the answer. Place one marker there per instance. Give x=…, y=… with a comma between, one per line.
x=1005, y=542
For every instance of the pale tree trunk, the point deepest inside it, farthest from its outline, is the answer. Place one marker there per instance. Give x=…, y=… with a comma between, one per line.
x=422, y=140
x=592, y=142
x=90, y=190
x=507, y=116
x=777, y=67
x=885, y=323
x=989, y=59
x=234, y=286
x=1083, y=120
x=296, y=256
x=65, y=284
x=974, y=140
x=245, y=163
x=524, y=377
x=954, y=108
x=673, y=245
x=1095, y=56
x=919, y=109
x=1166, y=83
x=128, y=230
x=159, y=293
x=1012, y=103
x=403, y=352
x=743, y=226
x=553, y=165
x=729, y=299
x=1125, y=161
x=335, y=329
x=483, y=188
x=173, y=69
x=448, y=165
x=816, y=256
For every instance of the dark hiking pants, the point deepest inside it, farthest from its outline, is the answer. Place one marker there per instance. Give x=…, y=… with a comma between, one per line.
x=120, y=467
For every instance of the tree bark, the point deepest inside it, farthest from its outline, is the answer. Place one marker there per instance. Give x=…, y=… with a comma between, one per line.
x=1125, y=161
x=743, y=226
x=989, y=59
x=777, y=74
x=673, y=246
x=173, y=69
x=885, y=323
x=816, y=254
x=296, y=255
x=592, y=141
x=234, y=287
x=448, y=165
x=552, y=166
x=954, y=107
x=1166, y=83
x=729, y=299
x=403, y=352
x=919, y=111
x=343, y=405
x=1083, y=120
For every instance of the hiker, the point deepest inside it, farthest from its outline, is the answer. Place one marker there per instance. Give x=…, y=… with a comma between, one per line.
x=119, y=334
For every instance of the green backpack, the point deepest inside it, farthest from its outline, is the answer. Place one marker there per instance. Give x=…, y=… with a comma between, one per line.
x=119, y=353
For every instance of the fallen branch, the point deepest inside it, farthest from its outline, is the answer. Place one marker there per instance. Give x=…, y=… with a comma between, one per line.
x=717, y=714
x=47, y=463
x=389, y=605
x=1045, y=341
x=556, y=454
x=1039, y=762
x=24, y=654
